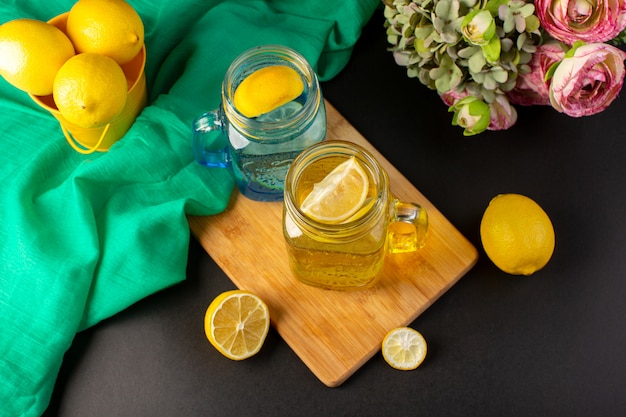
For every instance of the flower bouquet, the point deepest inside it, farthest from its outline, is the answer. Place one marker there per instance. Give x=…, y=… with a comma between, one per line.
x=483, y=56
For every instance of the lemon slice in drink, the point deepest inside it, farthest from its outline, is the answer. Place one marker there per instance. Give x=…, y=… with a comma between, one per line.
x=236, y=323
x=339, y=195
x=267, y=89
x=404, y=348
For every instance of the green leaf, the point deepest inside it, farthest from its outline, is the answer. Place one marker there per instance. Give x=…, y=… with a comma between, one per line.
x=419, y=45
x=468, y=52
x=532, y=23
x=468, y=17
x=476, y=62
x=423, y=31
x=527, y=10
x=500, y=75
x=551, y=71
x=442, y=84
x=575, y=46
x=492, y=50
x=493, y=5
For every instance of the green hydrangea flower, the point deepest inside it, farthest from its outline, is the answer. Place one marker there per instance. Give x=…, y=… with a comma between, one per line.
x=474, y=47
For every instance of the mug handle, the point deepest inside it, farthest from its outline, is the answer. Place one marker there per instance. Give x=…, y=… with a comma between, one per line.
x=77, y=147
x=208, y=141
x=408, y=230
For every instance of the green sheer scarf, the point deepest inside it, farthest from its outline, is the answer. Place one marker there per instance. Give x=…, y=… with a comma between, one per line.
x=84, y=236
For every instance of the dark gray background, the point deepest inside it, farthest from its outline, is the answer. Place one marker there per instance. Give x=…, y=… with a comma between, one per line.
x=551, y=344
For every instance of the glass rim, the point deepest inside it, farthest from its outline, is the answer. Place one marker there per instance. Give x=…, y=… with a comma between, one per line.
x=325, y=149
x=255, y=58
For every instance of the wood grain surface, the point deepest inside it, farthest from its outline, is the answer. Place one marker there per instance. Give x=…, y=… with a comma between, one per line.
x=333, y=332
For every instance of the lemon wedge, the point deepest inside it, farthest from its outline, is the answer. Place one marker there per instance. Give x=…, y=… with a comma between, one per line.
x=404, y=348
x=267, y=89
x=340, y=195
x=236, y=323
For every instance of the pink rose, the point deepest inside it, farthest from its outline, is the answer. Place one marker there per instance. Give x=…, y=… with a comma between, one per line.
x=532, y=89
x=572, y=20
x=588, y=82
x=451, y=97
x=503, y=115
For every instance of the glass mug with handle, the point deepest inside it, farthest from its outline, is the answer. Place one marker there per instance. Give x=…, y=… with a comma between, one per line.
x=340, y=219
x=260, y=148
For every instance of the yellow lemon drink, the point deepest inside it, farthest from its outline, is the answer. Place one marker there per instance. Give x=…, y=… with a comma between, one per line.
x=336, y=217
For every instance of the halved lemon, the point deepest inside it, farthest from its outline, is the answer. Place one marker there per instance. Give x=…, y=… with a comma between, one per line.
x=404, y=348
x=339, y=195
x=267, y=89
x=236, y=323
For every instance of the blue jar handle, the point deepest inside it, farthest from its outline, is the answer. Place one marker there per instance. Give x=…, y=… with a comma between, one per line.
x=210, y=145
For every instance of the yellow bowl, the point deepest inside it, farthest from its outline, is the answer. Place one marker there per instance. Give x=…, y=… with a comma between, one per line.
x=102, y=138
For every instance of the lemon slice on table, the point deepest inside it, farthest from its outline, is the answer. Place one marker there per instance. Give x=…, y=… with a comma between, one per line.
x=267, y=89
x=404, y=348
x=236, y=323
x=339, y=195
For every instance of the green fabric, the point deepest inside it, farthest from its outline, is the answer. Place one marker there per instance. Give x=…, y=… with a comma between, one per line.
x=84, y=236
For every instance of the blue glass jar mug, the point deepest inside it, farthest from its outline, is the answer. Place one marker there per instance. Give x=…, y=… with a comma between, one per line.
x=259, y=150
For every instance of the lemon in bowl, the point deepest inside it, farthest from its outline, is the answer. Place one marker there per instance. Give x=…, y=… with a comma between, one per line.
x=108, y=27
x=31, y=53
x=90, y=90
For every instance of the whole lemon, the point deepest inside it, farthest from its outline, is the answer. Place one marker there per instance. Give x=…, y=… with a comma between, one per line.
x=31, y=53
x=517, y=234
x=90, y=90
x=108, y=27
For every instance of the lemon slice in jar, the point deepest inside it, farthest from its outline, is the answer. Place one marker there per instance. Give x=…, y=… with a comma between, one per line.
x=267, y=89
x=339, y=195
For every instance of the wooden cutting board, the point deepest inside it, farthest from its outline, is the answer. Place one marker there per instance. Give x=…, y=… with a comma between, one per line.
x=334, y=333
